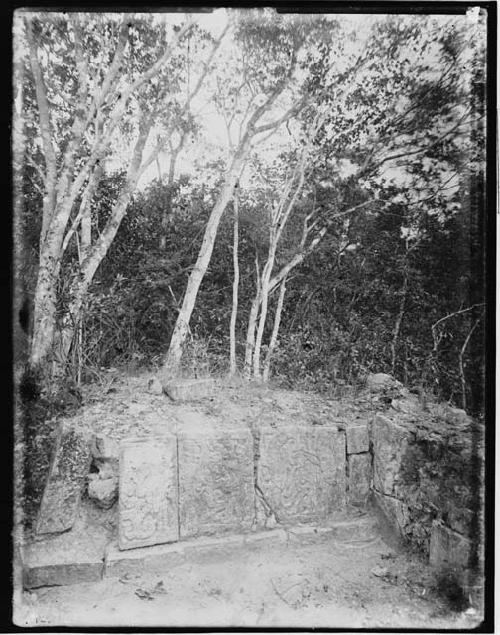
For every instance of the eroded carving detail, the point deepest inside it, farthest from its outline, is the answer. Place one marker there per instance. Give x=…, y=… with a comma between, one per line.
x=302, y=472
x=148, y=492
x=216, y=490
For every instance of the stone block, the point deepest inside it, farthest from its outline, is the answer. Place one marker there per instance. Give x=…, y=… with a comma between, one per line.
x=447, y=547
x=69, y=466
x=395, y=512
x=377, y=382
x=389, y=443
x=189, y=389
x=358, y=439
x=63, y=574
x=216, y=486
x=153, y=558
x=148, y=492
x=359, y=479
x=301, y=472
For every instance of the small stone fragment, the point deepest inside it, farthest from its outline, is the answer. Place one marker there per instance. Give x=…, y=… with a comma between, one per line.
x=189, y=389
x=103, y=492
x=155, y=387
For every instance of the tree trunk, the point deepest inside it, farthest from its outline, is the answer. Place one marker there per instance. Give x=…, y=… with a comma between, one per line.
x=236, y=281
x=197, y=274
x=274, y=334
x=264, y=298
x=252, y=323
x=399, y=319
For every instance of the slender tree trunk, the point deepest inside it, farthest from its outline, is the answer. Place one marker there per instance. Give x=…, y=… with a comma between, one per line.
x=399, y=319
x=252, y=323
x=167, y=209
x=264, y=299
x=236, y=282
x=274, y=334
x=197, y=274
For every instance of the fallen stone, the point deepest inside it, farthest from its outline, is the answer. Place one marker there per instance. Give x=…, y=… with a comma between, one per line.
x=69, y=466
x=103, y=492
x=380, y=381
x=301, y=472
x=357, y=436
x=155, y=387
x=389, y=443
x=216, y=488
x=148, y=492
x=189, y=389
x=447, y=547
x=105, y=448
x=409, y=405
x=360, y=472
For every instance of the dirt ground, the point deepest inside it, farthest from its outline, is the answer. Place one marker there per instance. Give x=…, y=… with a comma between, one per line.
x=314, y=582
x=320, y=582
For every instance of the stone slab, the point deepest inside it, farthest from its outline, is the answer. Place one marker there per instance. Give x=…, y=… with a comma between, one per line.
x=63, y=574
x=148, y=496
x=395, y=512
x=167, y=556
x=447, y=547
x=357, y=437
x=69, y=466
x=301, y=472
x=359, y=479
x=189, y=389
x=216, y=481
x=389, y=443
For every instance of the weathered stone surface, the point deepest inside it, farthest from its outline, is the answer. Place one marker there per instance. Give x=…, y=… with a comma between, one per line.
x=301, y=472
x=103, y=492
x=155, y=387
x=216, y=489
x=389, y=442
x=380, y=381
x=69, y=467
x=395, y=511
x=148, y=492
x=153, y=558
x=358, y=439
x=189, y=389
x=408, y=405
x=63, y=574
x=447, y=547
x=105, y=448
x=360, y=472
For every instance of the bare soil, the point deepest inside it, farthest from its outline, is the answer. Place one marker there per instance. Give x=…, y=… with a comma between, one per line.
x=319, y=582
x=306, y=582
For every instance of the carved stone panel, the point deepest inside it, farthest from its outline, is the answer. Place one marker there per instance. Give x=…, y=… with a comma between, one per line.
x=148, y=498
x=301, y=472
x=216, y=488
x=69, y=467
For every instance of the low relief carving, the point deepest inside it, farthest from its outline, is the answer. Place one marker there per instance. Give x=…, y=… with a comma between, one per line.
x=148, y=492
x=301, y=472
x=216, y=490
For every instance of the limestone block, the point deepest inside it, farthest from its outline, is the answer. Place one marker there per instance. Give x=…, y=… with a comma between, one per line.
x=447, y=547
x=69, y=466
x=395, y=511
x=360, y=471
x=301, y=472
x=189, y=389
x=377, y=382
x=216, y=486
x=389, y=443
x=148, y=496
x=357, y=438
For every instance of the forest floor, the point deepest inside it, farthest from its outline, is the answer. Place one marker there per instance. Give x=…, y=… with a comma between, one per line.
x=318, y=581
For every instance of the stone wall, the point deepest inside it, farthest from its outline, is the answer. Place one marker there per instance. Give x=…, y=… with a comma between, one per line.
x=428, y=480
